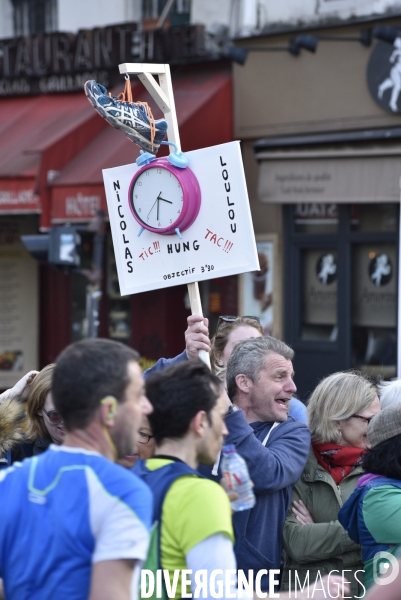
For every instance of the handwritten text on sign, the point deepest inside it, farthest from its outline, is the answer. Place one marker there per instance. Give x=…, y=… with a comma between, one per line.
x=220, y=242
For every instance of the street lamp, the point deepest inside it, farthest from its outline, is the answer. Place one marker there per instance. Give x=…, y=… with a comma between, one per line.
x=385, y=33
x=310, y=42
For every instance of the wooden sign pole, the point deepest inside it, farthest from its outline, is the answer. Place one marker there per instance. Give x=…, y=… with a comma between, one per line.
x=162, y=94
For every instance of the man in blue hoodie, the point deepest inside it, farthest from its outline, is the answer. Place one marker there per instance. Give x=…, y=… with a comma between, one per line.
x=275, y=446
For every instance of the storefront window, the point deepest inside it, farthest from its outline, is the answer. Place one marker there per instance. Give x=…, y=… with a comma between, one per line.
x=319, y=297
x=374, y=217
x=374, y=309
x=18, y=300
x=34, y=16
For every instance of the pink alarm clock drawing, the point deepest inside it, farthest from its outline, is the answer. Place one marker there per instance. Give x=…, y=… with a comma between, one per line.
x=164, y=198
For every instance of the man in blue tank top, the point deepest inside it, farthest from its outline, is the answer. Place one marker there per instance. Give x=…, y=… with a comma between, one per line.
x=74, y=525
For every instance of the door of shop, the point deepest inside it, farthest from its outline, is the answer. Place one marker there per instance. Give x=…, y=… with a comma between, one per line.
x=340, y=284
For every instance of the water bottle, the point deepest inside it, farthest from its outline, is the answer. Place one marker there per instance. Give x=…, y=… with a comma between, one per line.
x=236, y=477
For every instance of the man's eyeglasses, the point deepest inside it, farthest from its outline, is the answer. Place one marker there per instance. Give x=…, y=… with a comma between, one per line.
x=53, y=416
x=144, y=437
x=367, y=420
x=232, y=318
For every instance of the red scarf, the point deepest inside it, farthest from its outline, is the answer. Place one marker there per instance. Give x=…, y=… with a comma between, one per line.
x=338, y=460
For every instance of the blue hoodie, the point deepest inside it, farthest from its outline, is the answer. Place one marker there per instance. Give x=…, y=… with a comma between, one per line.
x=274, y=469
x=163, y=363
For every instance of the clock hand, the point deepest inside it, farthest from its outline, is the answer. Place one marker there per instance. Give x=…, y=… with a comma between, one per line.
x=154, y=204
x=158, y=204
x=164, y=200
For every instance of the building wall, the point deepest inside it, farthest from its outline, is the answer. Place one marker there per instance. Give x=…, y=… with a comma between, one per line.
x=243, y=17
x=75, y=14
x=208, y=12
x=306, y=11
x=302, y=94
x=247, y=17
x=267, y=218
x=6, y=19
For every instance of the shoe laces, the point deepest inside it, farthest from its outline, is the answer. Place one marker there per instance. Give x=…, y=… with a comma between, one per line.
x=126, y=98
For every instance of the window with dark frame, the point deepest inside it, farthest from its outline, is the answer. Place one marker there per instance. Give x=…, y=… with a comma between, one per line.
x=32, y=17
x=152, y=9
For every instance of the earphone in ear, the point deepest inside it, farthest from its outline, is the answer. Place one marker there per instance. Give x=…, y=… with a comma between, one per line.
x=112, y=408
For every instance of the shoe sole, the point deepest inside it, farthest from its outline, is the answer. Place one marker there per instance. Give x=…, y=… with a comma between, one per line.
x=136, y=139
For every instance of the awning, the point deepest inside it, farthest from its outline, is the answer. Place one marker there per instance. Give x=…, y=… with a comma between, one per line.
x=39, y=136
x=364, y=167
x=204, y=111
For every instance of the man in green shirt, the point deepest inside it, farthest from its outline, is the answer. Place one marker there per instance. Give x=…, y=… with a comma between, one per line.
x=196, y=531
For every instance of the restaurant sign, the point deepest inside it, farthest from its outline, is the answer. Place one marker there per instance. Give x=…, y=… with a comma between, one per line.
x=62, y=62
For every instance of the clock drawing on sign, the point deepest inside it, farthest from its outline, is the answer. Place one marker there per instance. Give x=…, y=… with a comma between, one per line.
x=164, y=198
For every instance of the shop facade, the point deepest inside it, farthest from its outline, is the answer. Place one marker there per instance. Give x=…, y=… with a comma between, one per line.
x=54, y=147
x=322, y=151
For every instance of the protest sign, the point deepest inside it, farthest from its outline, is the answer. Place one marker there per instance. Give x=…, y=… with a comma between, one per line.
x=220, y=242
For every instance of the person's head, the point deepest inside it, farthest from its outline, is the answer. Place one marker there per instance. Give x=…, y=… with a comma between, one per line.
x=99, y=381
x=340, y=408
x=189, y=406
x=146, y=445
x=44, y=420
x=230, y=331
x=146, y=440
x=384, y=433
x=389, y=392
x=260, y=378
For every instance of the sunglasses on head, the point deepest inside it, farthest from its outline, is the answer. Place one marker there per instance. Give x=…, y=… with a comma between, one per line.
x=232, y=318
x=53, y=416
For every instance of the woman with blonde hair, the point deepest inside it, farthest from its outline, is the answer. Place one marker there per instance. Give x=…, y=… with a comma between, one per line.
x=339, y=411
x=45, y=424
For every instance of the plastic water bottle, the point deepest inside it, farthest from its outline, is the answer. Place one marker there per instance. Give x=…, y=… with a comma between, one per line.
x=236, y=477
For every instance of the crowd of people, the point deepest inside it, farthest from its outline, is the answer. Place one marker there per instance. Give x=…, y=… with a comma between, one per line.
x=112, y=484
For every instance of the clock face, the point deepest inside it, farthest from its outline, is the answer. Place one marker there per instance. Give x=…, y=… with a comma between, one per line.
x=157, y=198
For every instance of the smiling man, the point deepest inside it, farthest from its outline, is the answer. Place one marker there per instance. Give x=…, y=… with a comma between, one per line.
x=274, y=445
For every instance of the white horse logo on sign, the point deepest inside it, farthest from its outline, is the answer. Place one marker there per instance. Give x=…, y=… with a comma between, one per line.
x=381, y=269
x=393, y=82
x=327, y=267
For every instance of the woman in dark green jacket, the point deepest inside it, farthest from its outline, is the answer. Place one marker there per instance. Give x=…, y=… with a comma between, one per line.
x=339, y=412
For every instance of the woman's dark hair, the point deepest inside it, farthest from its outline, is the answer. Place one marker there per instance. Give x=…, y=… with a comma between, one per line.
x=86, y=372
x=385, y=458
x=177, y=394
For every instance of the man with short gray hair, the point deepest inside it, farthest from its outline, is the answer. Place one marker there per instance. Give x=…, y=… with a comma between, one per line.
x=275, y=446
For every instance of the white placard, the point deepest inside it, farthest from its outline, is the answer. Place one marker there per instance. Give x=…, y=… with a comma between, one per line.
x=220, y=242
